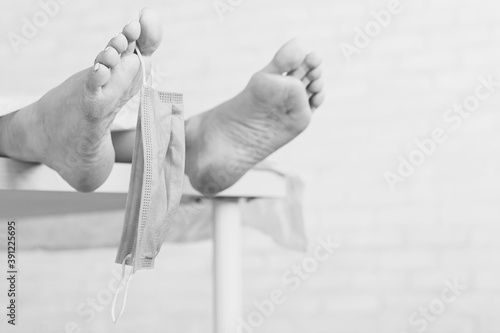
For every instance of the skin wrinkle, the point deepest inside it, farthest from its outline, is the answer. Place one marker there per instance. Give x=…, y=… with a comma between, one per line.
x=271, y=111
x=68, y=129
x=226, y=141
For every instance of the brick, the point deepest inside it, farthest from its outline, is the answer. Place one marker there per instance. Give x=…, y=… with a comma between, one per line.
x=377, y=281
x=471, y=301
x=407, y=215
x=411, y=259
x=487, y=279
x=398, y=44
x=379, y=239
x=344, y=218
x=485, y=238
x=439, y=236
x=476, y=214
x=352, y=303
x=434, y=281
x=442, y=60
x=453, y=323
x=472, y=259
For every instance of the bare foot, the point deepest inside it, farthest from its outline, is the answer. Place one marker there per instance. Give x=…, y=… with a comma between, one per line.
x=68, y=128
x=276, y=106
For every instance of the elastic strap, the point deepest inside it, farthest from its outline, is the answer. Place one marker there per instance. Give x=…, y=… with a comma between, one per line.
x=118, y=290
x=143, y=66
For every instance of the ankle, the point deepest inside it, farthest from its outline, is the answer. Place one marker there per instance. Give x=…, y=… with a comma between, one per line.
x=194, y=138
x=18, y=135
x=5, y=137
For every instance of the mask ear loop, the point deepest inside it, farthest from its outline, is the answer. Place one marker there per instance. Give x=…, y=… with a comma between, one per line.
x=118, y=290
x=127, y=283
x=143, y=66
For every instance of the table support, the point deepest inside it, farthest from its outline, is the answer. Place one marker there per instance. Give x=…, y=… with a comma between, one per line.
x=227, y=265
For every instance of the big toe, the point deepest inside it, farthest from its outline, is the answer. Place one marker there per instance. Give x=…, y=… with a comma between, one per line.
x=288, y=58
x=151, y=32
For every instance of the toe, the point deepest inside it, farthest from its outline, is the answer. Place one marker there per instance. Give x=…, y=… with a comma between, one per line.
x=109, y=57
x=300, y=72
x=317, y=99
x=315, y=74
x=288, y=58
x=119, y=43
x=151, y=32
x=97, y=77
x=132, y=31
x=315, y=86
x=311, y=61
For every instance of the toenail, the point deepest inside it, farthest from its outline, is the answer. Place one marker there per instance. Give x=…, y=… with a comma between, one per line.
x=107, y=48
x=96, y=67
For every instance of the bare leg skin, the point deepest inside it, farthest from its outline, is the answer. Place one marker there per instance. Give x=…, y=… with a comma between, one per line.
x=68, y=128
x=224, y=143
x=124, y=142
x=276, y=106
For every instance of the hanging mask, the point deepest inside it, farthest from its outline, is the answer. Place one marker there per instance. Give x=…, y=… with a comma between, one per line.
x=156, y=179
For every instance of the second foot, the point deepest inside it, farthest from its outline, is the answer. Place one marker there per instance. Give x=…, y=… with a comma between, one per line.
x=274, y=108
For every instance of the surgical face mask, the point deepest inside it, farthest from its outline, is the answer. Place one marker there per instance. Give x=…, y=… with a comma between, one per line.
x=156, y=179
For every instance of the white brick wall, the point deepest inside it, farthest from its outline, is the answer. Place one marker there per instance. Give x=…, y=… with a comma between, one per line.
x=397, y=248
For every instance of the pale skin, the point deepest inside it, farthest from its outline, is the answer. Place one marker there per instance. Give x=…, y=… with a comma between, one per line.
x=68, y=129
